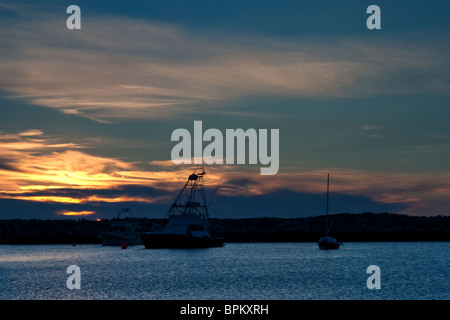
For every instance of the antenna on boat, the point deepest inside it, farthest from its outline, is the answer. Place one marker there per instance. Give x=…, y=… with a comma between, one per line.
x=328, y=242
x=328, y=228
x=328, y=195
x=328, y=190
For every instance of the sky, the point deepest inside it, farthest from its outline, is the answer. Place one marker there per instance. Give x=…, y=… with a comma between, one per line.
x=86, y=116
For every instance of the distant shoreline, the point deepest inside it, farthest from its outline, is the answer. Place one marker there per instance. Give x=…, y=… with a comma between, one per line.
x=347, y=227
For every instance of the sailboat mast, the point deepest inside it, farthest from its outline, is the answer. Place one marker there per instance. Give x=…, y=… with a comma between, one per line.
x=328, y=190
x=328, y=193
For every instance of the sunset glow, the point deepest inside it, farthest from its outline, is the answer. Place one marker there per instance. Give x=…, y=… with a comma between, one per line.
x=72, y=213
x=86, y=116
x=50, y=172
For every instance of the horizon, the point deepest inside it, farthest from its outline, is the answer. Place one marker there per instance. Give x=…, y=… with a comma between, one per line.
x=87, y=115
x=88, y=218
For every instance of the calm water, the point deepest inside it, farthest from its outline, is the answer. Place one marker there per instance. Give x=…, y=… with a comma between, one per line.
x=256, y=271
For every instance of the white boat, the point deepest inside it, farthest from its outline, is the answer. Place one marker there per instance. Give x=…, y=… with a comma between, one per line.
x=188, y=220
x=328, y=242
x=122, y=231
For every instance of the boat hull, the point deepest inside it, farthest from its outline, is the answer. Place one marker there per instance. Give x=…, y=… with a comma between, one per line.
x=328, y=246
x=168, y=240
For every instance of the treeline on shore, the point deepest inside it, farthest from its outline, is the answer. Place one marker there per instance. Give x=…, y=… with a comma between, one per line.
x=346, y=227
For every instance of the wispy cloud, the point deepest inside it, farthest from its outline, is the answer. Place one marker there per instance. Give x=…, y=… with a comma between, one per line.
x=31, y=132
x=123, y=68
x=420, y=192
x=369, y=127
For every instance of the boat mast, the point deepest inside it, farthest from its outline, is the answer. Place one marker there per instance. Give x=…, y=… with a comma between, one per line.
x=185, y=203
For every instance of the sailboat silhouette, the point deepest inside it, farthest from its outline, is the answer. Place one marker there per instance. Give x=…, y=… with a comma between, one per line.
x=328, y=242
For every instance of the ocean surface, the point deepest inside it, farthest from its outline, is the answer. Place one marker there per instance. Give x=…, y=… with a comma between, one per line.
x=238, y=271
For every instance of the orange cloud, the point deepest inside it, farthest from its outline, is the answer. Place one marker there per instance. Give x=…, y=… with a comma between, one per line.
x=37, y=172
x=31, y=132
x=75, y=213
x=28, y=169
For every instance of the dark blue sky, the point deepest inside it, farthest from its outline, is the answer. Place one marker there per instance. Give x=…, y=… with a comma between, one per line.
x=86, y=115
